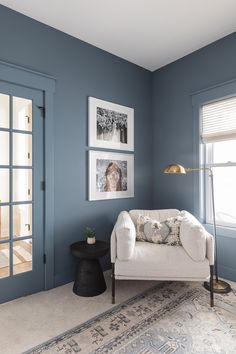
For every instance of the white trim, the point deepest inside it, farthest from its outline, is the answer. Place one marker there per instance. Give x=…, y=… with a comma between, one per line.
x=208, y=199
x=199, y=98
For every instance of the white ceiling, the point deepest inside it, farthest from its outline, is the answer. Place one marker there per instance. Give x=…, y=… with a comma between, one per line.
x=149, y=33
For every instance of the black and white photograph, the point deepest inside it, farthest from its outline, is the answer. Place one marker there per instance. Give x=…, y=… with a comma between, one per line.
x=110, y=125
x=110, y=175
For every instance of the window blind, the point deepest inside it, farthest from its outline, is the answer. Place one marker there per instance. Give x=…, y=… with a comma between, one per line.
x=219, y=120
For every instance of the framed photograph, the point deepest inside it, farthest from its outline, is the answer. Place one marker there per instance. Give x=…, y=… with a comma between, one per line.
x=111, y=126
x=111, y=175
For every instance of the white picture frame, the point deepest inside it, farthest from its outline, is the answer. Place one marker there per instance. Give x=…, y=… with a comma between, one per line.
x=111, y=126
x=111, y=175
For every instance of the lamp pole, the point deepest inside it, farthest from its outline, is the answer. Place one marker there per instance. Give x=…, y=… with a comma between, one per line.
x=219, y=286
x=214, y=222
x=213, y=210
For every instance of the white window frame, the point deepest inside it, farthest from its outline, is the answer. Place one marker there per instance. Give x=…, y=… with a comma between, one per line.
x=208, y=153
x=199, y=98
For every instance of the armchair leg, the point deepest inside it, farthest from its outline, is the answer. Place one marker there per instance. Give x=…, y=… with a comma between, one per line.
x=211, y=285
x=113, y=283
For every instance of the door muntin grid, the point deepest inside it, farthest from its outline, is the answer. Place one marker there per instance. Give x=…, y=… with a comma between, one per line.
x=16, y=185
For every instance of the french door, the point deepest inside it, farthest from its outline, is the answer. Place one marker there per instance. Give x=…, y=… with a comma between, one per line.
x=21, y=191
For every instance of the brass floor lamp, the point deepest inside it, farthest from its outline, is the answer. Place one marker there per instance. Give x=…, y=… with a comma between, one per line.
x=219, y=286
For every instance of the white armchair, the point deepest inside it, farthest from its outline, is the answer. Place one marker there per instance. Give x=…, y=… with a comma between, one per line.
x=131, y=259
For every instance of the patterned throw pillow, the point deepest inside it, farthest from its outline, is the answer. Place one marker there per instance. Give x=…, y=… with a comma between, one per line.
x=174, y=225
x=165, y=232
x=150, y=230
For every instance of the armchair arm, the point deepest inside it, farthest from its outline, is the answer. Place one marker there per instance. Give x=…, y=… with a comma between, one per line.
x=113, y=245
x=123, y=238
x=210, y=248
x=198, y=243
x=193, y=237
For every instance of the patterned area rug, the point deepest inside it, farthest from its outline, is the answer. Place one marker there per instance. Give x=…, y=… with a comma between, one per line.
x=172, y=317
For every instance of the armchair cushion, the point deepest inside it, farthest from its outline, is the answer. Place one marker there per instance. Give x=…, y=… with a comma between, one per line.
x=151, y=261
x=125, y=236
x=193, y=237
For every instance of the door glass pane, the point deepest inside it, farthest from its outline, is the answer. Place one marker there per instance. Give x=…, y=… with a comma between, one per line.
x=4, y=260
x=22, y=114
x=22, y=185
x=22, y=256
x=4, y=185
x=4, y=111
x=22, y=220
x=4, y=148
x=4, y=222
x=22, y=149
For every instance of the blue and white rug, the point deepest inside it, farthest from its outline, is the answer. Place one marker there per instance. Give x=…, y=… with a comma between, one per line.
x=172, y=317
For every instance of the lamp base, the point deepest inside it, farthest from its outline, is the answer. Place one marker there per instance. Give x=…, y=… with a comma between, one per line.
x=219, y=287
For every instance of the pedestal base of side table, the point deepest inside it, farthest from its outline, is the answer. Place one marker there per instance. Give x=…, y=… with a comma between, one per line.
x=89, y=280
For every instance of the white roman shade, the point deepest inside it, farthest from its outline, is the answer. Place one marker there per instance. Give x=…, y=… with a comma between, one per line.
x=219, y=120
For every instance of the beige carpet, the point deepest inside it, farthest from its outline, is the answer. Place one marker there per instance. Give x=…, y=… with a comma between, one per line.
x=170, y=318
x=31, y=320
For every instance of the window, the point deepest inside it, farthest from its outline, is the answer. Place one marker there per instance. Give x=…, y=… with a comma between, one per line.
x=218, y=133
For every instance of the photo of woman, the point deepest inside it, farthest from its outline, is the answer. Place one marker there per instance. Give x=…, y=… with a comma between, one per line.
x=111, y=175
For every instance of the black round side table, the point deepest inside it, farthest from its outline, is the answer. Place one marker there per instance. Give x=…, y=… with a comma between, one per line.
x=89, y=279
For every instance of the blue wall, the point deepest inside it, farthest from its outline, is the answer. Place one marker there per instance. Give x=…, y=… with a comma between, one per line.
x=173, y=128
x=81, y=70
x=163, y=125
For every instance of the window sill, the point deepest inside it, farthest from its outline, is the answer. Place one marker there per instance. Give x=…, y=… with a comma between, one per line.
x=222, y=231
